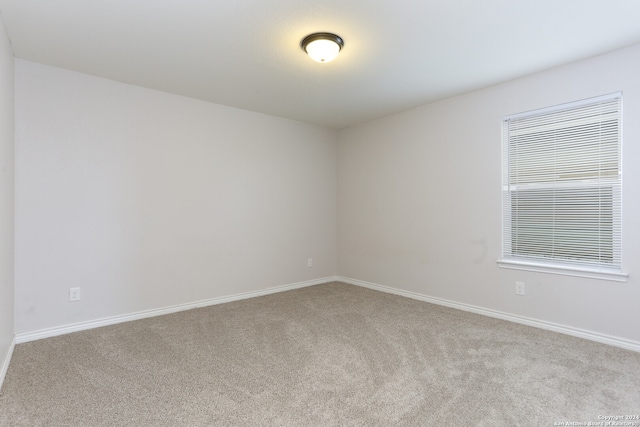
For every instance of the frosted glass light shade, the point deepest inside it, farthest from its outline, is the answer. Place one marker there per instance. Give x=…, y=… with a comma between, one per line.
x=322, y=47
x=323, y=50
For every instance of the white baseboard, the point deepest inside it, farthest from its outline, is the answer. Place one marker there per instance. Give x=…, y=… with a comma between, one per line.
x=81, y=326
x=567, y=330
x=5, y=363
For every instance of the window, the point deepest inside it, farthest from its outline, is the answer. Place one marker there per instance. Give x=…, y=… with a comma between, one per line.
x=561, y=188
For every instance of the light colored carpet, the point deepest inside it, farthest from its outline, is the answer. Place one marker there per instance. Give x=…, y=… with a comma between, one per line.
x=327, y=355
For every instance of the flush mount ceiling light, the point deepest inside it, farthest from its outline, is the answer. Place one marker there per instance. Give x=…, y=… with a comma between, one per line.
x=322, y=47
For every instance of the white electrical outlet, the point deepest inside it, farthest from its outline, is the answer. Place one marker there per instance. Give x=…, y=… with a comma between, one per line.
x=310, y=262
x=519, y=288
x=74, y=294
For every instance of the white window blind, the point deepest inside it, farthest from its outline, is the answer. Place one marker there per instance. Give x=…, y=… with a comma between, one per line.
x=562, y=185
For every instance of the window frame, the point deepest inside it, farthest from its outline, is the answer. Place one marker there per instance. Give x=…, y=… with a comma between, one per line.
x=542, y=262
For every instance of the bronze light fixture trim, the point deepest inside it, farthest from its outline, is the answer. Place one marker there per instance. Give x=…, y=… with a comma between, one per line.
x=322, y=47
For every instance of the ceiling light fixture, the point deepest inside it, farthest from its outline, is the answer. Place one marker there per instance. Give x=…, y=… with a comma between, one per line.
x=322, y=47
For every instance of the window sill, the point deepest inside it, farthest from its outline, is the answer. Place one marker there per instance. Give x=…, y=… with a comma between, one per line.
x=563, y=270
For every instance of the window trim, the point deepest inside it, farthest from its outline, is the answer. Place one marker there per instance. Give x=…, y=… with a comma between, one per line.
x=516, y=264
x=556, y=266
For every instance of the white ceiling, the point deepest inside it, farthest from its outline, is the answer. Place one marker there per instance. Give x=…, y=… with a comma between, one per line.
x=398, y=54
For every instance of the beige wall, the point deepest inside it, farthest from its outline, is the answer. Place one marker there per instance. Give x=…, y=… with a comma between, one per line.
x=147, y=200
x=419, y=199
x=6, y=200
